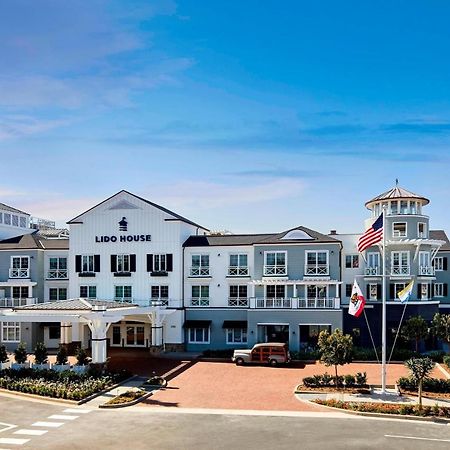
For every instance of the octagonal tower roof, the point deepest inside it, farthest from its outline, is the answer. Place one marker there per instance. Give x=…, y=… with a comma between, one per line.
x=399, y=193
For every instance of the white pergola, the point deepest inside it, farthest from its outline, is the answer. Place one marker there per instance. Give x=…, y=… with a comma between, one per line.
x=98, y=315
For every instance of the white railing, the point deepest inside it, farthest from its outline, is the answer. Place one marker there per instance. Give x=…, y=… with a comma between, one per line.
x=273, y=303
x=426, y=270
x=236, y=271
x=57, y=274
x=199, y=272
x=314, y=303
x=400, y=270
x=19, y=273
x=13, y=302
x=238, y=302
x=371, y=270
x=316, y=269
x=199, y=301
x=275, y=270
x=164, y=301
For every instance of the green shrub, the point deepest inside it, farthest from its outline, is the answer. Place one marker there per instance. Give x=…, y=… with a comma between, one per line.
x=446, y=360
x=435, y=385
x=3, y=354
x=40, y=353
x=436, y=355
x=82, y=357
x=349, y=380
x=327, y=379
x=306, y=355
x=361, y=379
x=20, y=354
x=61, y=356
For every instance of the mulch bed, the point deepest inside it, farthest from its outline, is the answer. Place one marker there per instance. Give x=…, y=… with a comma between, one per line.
x=436, y=395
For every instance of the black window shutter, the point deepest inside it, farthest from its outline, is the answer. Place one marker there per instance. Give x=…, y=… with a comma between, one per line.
x=96, y=263
x=444, y=263
x=379, y=293
x=419, y=291
x=78, y=263
x=367, y=291
x=445, y=293
x=391, y=291
x=113, y=263
x=169, y=262
x=132, y=263
x=149, y=263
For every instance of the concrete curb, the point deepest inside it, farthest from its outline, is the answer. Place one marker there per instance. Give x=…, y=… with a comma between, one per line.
x=443, y=370
x=26, y=395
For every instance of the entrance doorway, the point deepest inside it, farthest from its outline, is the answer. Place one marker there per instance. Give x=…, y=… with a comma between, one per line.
x=273, y=333
x=129, y=335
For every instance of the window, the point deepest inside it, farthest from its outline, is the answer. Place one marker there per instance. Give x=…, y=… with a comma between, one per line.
x=19, y=267
x=396, y=288
x=438, y=289
x=1, y=217
x=87, y=263
x=199, y=335
x=394, y=207
x=399, y=229
x=57, y=294
x=373, y=263
x=400, y=263
x=160, y=292
x=11, y=331
x=238, y=265
x=422, y=230
x=275, y=291
x=88, y=291
x=403, y=207
x=351, y=261
x=123, y=263
x=200, y=265
x=200, y=296
x=20, y=292
x=440, y=263
x=7, y=218
x=275, y=263
x=348, y=290
x=373, y=291
x=122, y=293
x=54, y=332
x=316, y=291
x=238, y=295
x=424, y=291
x=15, y=220
x=57, y=267
x=159, y=263
x=22, y=222
x=116, y=335
x=236, y=335
x=316, y=263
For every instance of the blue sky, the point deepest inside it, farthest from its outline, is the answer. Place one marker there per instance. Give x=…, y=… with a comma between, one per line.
x=248, y=116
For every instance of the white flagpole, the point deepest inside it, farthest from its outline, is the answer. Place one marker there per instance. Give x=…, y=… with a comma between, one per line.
x=383, y=329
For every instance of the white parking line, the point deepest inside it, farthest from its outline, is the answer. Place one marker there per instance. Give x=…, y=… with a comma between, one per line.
x=77, y=411
x=31, y=432
x=6, y=426
x=47, y=424
x=62, y=417
x=416, y=438
x=12, y=441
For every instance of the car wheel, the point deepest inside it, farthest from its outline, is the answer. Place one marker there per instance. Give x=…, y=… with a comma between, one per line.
x=273, y=362
x=239, y=362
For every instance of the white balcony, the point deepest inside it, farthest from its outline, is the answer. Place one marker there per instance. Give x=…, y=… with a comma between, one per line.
x=426, y=270
x=235, y=271
x=275, y=271
x=316, y=269
x=273, y=303
x=295, y=303
x=372, y=271
x=19, y=273
x=400, y=271
x=199, y=272
x=199, y=301
x=319, y=303
x=163, y=302
x=57, y=274
x=238, y=302
x=14, y=302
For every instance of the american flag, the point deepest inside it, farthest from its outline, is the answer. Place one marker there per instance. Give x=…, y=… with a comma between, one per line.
x=372, y=235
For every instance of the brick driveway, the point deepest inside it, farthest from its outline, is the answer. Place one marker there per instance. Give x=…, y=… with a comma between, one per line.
x=222, y=385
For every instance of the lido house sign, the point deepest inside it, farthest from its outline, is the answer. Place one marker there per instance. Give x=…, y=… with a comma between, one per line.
x=129, y=238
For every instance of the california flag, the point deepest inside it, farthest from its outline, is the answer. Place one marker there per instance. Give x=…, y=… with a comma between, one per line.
x=357, y=301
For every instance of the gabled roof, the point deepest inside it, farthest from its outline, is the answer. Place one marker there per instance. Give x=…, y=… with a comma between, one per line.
x=173, y=214
x=441, y=236
x=77, y=304
x=398, y=192
x=4, y=207
x=258, y=239
x=33, y=241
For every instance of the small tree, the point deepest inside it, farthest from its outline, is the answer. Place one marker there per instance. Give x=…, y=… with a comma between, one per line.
x=3, y=354
x=61, y=356
x=82, y=357
x=40, y=353
x=441, y=326
x=20, y=354
x=335, y=349
x=415, y=329
x=420, y=368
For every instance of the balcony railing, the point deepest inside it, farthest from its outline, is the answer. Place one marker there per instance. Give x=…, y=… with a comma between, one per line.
x=164, y=301
x=238, y=302
x=400, y=270
x=54, y=274
x=199, y=272
x=273, y=303
x=276, y=271
x=235, y=271
x=426, y=270
x=14, y=302
x=372, y=270
x=314, y=303
x=199, y=301
x=316, y=269
x=19, y=273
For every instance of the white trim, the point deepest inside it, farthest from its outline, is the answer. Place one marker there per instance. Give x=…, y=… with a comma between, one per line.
x=272, y=323
x=234, y=342
x=199, y=328
x=17, y=325
x=319, y=324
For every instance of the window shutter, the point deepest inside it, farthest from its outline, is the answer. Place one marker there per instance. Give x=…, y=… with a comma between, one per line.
x=149, y=263
x=367, y=292
x=419, y=291
x=96, y=263
x=391, y=291
x=445, y=293
x=169, y=262
x=444, y=263
x=379, y=293
x=132, y=263
x=78, y=263
x=113, y=263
